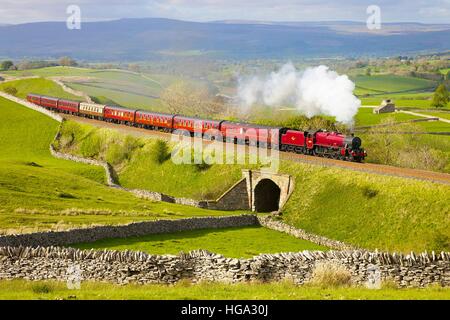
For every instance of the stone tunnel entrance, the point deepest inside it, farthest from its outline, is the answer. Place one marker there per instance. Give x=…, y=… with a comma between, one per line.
x=267, y=196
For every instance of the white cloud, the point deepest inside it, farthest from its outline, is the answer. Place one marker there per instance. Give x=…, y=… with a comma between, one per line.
x=13, y=11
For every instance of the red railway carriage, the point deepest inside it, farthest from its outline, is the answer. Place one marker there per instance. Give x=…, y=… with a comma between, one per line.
x=147, y=119
x=49, y=102
x=34, y=98
x=251, y=133
x=68, y=106
x=195, y=125
x=119, y=114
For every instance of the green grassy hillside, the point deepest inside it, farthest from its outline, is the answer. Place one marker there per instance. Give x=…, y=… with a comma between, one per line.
x=123, y=87
x=230, y=242
x=145, y=100
x=389, y=83
x=440, y=114
x=134, y=162
x=368, y=210
x=40, y=86
x=408, y=92
x=38, y=191
x=373, y=211
x=366, y=117
x=404, y=102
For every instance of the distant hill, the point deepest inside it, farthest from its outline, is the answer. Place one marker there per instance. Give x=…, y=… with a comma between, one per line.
x=152, y=38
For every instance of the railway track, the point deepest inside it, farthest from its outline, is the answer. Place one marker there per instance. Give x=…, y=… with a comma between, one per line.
x=437, y=177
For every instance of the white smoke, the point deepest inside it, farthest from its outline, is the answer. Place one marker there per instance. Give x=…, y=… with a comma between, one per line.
x=314, y=91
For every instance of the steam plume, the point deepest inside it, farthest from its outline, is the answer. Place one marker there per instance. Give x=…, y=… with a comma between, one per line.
x=315, y=91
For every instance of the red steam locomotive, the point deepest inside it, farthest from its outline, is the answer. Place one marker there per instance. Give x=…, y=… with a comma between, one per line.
x=318, y=143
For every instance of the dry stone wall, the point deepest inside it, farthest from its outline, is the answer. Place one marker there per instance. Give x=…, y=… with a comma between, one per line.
x=273, y=224
x=82, y=235
x=85, y=96
x=137, y=267
x=108, y=169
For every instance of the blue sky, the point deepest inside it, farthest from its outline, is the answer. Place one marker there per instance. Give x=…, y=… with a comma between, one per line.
x=427, y=11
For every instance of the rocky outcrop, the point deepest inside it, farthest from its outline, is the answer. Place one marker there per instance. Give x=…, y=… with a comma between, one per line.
x=137, y=267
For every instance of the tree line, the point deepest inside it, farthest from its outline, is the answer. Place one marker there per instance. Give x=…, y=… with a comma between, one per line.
x=8, y=65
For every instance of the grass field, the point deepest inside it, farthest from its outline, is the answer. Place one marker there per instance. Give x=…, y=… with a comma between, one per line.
x=389, y=83
x=117, y=93
x=406, y=104
x=408, y=92
x=435, y=126
x=40, y=86
x=50, y=72
x=51, y=290
x=366, y=117
x=231, y=242
x=38, y=191
x=368, y=210
x=123, y=87
x=437, y=113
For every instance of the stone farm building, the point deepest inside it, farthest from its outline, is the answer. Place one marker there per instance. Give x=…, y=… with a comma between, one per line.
x=385, y=107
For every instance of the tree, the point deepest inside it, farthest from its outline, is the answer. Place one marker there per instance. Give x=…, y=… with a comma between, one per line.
x=441, y=97
x=67, y=62
x=6, y=65
x=191, y=99
x=448, y=75
x=368, y=72
x=134, y=67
